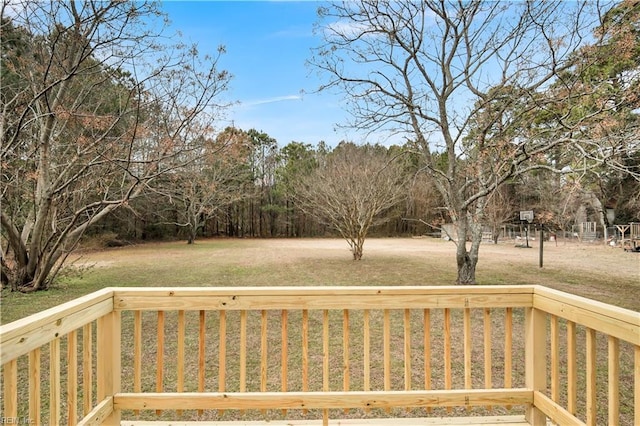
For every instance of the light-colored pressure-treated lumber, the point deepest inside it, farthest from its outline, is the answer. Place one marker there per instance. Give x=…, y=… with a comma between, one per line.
x=264, y=351
x=160, y=356
x=222, y=353
x=601, y=317
x=325, y=350
x=34, y=385
x=613, y=356
x=345, y=350
x=636, y=375
x=108, y=368
x=87, y=369
x=467, y=347
x=284, y=353
x=243, y=351
x=72, y=378
x=591, y=378
x=535, y=363
x=539, y=304
x=487, y=349
x=10, y=391
x=572, y=369
x=202, y=345
x=320, y=301
x=424, y=421
x=180, y=354
x=367, y=349
x=54, y=382
x=386, y=348
x=24, y=335
x=555, y=358
x=322, y=400
x=407, y=350
x=100, y=414
x=305, y=350
x=137, y=352
x=555, y=411
x=508, y=346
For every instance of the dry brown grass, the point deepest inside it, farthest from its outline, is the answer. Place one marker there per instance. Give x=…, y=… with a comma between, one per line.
x=602, y=273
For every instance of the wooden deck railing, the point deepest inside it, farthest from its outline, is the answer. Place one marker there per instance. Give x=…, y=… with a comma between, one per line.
x=200, y=353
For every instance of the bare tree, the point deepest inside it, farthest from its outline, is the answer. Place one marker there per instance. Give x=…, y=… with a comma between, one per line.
x=351, y=189
x=469, y=83
x=500, y=209
x=95, y=110
x=215, y=179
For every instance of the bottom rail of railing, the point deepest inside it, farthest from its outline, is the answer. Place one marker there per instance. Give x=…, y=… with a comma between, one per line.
x=317, y=400
x=423, y=421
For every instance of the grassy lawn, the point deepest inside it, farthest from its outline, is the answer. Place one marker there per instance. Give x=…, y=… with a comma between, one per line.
x=602, y=273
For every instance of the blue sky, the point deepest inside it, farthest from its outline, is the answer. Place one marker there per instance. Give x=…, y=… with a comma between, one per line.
x=267, y=44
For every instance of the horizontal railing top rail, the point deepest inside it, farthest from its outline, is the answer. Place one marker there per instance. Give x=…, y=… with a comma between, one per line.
x=387, y=297
x=26, y=334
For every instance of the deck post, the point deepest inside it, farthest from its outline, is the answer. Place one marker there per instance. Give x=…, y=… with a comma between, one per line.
x=108, y=361
x=535, y=360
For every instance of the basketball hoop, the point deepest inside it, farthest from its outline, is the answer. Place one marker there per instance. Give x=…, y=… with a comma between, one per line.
x=526, y=215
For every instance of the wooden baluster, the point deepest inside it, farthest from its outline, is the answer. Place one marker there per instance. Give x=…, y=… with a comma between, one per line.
x=636, y=387
x=222, y=354
x=284, y=352
x=180, y=354
x=407, y=351
x=345, y=352
x=325, y=360
x=54, y=382
x=34, y=386
x=202, y=321
x=467, y=349
x=613, y=381
x=386, y=342
x=160, y=356
x=243, y=352
x=447, y=351
x=263, y=352
x=10, y=389
x=591, y=378
x=367, y=351
x=137, y=354
x=508, y=346
x=202, y=344
x=72, y=378
x=572, y=370
x=305, y=352
x=426, y=324
x=555, y=358
x=488, y=383
x=87, y=369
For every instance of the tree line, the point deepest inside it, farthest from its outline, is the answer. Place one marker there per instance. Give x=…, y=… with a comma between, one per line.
x=109, y=127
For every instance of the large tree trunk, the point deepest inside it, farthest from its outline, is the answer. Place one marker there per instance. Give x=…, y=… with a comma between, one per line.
x=466, y=268
x=467, y=259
